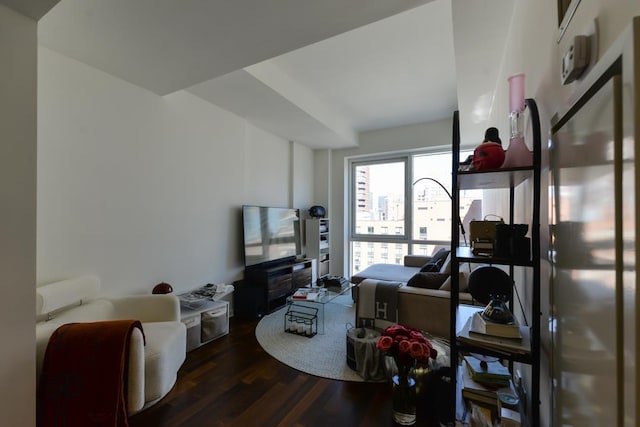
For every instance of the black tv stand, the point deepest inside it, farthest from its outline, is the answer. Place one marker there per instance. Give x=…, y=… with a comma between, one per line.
x=266, y=288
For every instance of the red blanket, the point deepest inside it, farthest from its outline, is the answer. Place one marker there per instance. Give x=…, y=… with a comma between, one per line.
x=84, y=375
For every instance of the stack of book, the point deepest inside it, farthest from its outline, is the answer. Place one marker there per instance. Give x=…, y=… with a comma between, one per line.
x=507, y=339
x=480, y=325
x=491, y=374
x=484, y=383
x=482, y=247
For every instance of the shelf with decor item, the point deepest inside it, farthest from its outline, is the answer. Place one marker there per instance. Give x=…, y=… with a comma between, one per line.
x=317, y=243
x=522, y=270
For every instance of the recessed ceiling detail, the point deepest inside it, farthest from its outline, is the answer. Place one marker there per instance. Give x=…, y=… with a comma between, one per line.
x=314, y=72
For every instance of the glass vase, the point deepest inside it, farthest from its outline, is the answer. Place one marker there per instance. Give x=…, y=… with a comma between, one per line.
x=403, y=398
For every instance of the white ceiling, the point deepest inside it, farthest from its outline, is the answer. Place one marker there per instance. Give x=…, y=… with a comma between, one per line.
x=316, y=72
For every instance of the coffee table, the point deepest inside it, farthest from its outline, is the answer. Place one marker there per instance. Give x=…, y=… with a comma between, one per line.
x=325, y=296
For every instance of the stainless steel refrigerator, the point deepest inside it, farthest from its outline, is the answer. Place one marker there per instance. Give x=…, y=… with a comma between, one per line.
x=593, y=207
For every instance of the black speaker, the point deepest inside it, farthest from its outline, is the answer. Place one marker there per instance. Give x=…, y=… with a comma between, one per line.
x=249, y=302
x=317, y=211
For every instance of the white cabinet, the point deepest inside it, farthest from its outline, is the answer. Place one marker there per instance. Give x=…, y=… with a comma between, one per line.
x=205, y=323
x=317, y=243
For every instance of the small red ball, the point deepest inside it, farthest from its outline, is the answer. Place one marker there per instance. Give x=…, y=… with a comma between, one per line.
x=162, y=288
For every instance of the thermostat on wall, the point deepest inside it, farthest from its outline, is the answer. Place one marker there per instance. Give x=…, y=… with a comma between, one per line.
x=576, y=59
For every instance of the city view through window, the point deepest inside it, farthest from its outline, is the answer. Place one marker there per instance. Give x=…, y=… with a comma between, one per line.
x=387, y=225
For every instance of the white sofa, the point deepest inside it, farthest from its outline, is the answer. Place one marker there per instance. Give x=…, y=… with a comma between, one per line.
x=153, y=366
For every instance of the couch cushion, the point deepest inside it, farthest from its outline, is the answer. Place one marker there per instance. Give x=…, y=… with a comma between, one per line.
x=430, y=267
x=427, y=280
x=446, y=265
x=55, y=296
x=436, y=261
x=391, y=272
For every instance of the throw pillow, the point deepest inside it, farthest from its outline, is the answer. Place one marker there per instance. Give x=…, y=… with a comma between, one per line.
x=427, y=280
x=430, y=267
x=436, y=261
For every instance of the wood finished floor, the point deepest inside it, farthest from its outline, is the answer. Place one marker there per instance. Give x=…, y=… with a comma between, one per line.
x=232, y=381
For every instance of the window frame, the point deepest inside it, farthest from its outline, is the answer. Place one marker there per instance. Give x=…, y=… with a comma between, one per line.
x=414, y=246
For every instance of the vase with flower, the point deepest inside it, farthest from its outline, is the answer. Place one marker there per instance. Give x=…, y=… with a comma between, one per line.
x=410, y=349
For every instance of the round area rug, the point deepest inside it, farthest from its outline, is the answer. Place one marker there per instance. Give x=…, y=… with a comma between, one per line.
x=323, y=355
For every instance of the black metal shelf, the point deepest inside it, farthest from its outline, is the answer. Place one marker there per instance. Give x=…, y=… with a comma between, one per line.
x=464, y=254
x=508, y=178
x=520, y=358
x=493, y=178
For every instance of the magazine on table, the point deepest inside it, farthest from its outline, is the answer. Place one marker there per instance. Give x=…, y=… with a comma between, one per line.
x=307, y=294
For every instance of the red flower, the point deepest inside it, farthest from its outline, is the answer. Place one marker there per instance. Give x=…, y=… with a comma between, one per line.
x=394, y=330
x=408, y=346
x=384, y=343
x=417, y=336
x=416, y=350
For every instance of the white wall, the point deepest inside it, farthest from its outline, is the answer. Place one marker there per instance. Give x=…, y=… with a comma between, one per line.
x=140, y=189
x=303, y=168
x=17, y=217
x=402, y=138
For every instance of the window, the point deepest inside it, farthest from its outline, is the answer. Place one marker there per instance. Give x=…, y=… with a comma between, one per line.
x=395, y=206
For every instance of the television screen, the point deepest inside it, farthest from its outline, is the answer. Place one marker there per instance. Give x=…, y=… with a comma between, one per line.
x=270, y=234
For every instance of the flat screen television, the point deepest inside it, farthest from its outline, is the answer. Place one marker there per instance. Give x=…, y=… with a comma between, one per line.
x=271, y=235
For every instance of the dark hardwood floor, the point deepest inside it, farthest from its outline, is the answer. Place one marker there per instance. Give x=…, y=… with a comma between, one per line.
x=233, y=382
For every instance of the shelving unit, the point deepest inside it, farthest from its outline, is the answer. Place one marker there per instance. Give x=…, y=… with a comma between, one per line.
x=509, y=179
x=317, y=243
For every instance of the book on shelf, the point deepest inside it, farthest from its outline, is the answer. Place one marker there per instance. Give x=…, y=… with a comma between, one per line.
x=482, y=326
x=492, y=373
x=505, y=346
x=480, y=392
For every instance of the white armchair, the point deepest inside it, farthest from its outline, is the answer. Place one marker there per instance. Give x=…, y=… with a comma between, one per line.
x=152, y=367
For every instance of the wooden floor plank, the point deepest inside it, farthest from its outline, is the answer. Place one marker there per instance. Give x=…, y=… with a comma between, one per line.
x=232, y=381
